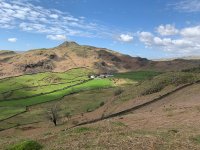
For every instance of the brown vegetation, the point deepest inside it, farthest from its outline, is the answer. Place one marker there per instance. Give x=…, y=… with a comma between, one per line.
x=71, y=55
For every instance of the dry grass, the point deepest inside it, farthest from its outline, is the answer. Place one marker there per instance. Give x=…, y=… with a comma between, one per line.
x=149, y=128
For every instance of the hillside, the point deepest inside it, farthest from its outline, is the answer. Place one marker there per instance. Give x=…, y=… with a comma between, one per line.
x=72, y=55
x=171, y=122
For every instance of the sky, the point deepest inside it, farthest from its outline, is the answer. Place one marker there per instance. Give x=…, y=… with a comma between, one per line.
x=145, y=28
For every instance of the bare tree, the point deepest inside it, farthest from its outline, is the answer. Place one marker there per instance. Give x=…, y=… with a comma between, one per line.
x=53, y=115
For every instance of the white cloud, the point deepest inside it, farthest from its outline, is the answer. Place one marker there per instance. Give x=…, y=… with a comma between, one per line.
x=166, y=30
x=23, y=15
x=57, y=37
x=186, y=41
x=146, y=38
x=187, y=6
x=125, y=38
x=13, y=40
x=54, y=16
x=191, y=32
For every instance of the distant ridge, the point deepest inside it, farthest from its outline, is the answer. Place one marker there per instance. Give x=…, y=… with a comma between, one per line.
x=70, y=55
x=185, y=58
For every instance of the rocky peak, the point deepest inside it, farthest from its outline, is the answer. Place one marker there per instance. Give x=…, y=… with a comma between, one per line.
x=68, y=43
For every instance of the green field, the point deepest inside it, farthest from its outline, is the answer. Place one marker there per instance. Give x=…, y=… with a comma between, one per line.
x=34, y=89
x=42, y=79
x=74, y=92
x=74, y=104
x=10, y=111
x=137, y=75
x=91, y=84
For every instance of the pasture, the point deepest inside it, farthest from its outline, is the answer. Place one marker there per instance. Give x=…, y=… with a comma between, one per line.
x=137, y=75
x=17, y=93
x=73, y=92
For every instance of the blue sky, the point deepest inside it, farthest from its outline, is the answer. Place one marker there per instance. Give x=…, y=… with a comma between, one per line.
x=145, y=28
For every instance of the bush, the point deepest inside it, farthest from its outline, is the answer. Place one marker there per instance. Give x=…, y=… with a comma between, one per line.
x=68, y=115
x=89, y=110
x=118, y=92
x=171, y=78
x=75, y=122
x=195, y=139
x=101, y=104
x=26, y=145
x=194, y=70
x=153, y=89
x=82, y=129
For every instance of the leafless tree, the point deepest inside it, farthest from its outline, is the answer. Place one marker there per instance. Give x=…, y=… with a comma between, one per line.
x=53, y=115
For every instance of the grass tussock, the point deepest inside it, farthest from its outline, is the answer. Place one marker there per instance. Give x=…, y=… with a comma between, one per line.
x=26, y=145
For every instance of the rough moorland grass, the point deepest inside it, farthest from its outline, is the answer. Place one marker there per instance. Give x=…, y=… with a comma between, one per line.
x=137, y=75
x=195, y=139
x=26, y=145
x=82, y=129
x=109, y=136
x=194, y=70
x=79, y=102
x=118, y=123
x=156, y=84
x=171, y=78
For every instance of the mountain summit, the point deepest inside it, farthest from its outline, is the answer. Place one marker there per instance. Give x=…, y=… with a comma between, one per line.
x=72, y=55
x=68, y=43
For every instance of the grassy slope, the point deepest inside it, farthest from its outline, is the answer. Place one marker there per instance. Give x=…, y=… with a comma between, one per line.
x=12, y=107
x=93, y=84
x=137, y=75
x=111, y=133
x=156, y=84
x=41, y=79
x=75, y=104
x=9, y=111
x=27, y=92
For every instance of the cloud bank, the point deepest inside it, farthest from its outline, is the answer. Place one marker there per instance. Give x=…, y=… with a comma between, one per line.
x=23, y=15
x=57, y=37
x=185, y=42
x=188, y=6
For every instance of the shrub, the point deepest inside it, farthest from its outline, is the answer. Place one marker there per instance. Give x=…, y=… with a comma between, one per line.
x=194, y=70
x=75, y=122
x=26, y=145
x=153, y=89
x=89, y=110
x=195, y=139
x=101, y=104
x=82, y=129
x=53, y=115
x=68, y=115
x=171, y=78
x=118, y=92
x=118, y=124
